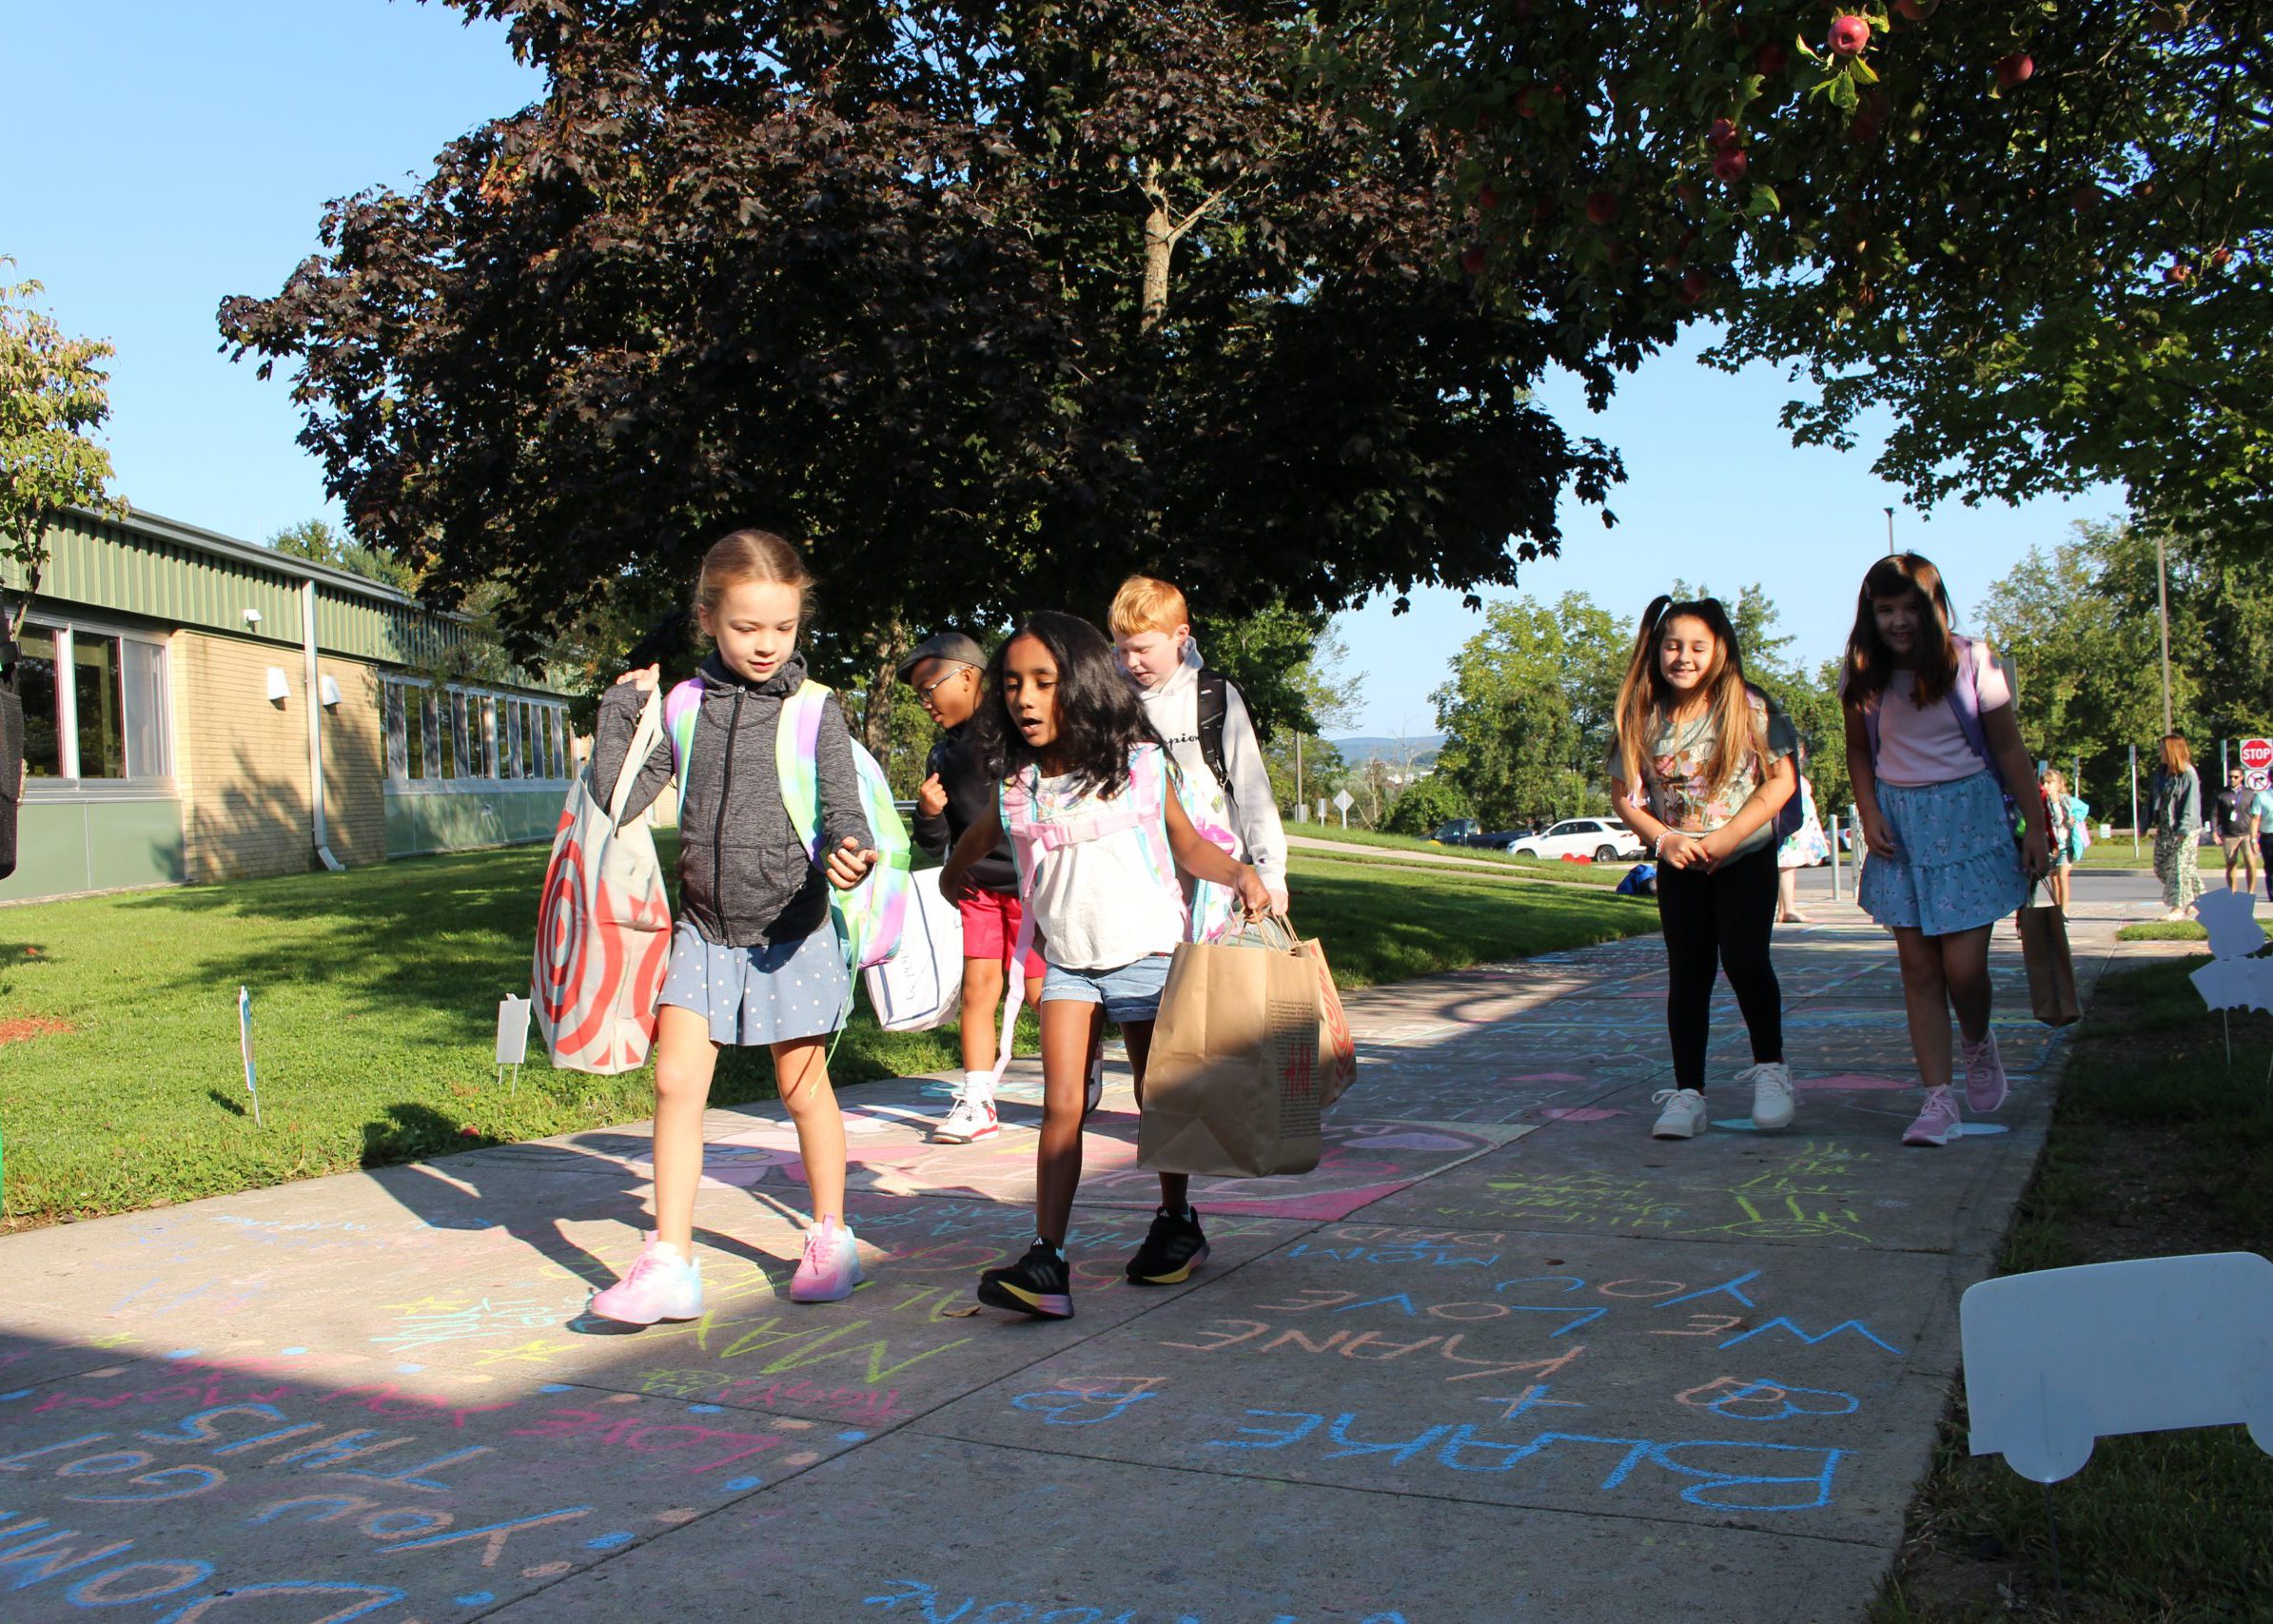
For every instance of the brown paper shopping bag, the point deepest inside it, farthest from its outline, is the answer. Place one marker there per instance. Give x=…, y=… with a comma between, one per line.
x=1237, y=1072
x=2051, y=969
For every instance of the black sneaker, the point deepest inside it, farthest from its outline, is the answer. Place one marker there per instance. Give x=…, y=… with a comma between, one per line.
x=1035, y=1285
x=1173, y=1249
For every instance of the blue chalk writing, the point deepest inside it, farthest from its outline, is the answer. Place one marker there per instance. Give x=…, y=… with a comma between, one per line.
x=1855, y=1325
x=1730, y=1466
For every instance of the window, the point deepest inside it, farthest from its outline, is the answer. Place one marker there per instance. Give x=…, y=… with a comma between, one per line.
x=98, y=692
x=490, y=738
x=94, y=705
x=531, y=757
x=397, y=750
x=42, y=713
x=145, y=688
x=437, y=746
x=553, y=716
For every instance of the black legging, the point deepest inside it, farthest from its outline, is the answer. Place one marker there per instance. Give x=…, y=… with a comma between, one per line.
x=2264, y=861
x=1719, y=921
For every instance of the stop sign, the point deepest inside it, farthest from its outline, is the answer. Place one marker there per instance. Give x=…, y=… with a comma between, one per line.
x=2257, y=754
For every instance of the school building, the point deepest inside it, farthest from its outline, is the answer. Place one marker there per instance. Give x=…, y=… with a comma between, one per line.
x=201, y=708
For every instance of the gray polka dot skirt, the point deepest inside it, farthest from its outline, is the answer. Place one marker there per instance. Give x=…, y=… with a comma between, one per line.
x=760, y=995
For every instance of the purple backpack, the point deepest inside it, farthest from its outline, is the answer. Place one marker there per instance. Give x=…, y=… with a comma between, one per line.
x=1965, y=700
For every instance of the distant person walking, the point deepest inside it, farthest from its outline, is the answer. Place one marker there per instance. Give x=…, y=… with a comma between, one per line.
x=1803, y=849
x=2232, y=812
x=2176, y=796
x=2061, y=824
x=2261, y=834
x=1935, y=753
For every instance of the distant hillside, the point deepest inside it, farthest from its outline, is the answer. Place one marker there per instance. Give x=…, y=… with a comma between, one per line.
x=1421, y=747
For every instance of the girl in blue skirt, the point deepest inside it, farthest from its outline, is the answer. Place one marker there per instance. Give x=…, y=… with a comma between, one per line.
x=1938, y=767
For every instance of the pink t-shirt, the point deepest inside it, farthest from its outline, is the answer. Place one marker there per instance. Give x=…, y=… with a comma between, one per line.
x=1928, y=747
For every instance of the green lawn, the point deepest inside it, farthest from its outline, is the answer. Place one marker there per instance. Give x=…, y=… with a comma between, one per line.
x=2157, y=1148
x=1361, y=839
x=374, y=1009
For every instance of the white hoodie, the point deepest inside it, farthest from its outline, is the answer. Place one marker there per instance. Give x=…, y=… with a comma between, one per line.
x=1174, y=708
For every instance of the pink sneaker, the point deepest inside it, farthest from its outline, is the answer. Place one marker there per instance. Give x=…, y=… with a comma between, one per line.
x=830, y=1267
x=1984, y=1082
x=1937, y=1123
x=660, y=1284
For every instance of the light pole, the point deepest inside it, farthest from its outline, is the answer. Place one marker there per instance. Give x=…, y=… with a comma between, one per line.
x=1890, y=532
x=2162, y=611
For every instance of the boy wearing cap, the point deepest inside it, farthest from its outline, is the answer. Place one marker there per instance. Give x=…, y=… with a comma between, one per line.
x=945, y=673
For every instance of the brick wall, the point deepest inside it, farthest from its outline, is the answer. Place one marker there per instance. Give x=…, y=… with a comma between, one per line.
x=240, y=760
x=354, y=763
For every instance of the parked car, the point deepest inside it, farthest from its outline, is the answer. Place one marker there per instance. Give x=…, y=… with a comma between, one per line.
x=1460, y=832
x=1602, y=839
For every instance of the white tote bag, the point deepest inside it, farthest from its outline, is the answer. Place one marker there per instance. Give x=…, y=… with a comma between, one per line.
x=603, y=925
x=921, y=985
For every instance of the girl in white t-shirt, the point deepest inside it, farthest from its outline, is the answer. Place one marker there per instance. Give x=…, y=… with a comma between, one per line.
x=1939, y=770
x=1089, y=796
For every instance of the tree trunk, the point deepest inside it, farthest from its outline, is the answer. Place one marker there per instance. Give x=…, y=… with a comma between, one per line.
x=876, y=722
x=1160, y=242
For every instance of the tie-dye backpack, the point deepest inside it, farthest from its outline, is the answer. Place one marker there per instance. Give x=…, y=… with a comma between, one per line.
x=1142, y=807
x=869, y=916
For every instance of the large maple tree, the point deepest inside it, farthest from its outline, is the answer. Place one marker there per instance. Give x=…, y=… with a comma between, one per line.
x=990, y=303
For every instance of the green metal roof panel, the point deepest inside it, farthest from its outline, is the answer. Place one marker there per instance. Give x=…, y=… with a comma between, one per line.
x=162, y=570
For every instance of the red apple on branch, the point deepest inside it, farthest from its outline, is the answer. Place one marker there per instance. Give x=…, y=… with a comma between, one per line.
x=1731, y=165
x=1601, y=208
x=1849, y=34
x=1472, y=260
x=2014, y=69
x=1721, y=134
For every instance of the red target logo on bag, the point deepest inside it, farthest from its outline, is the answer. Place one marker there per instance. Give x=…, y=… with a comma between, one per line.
x=603, y=935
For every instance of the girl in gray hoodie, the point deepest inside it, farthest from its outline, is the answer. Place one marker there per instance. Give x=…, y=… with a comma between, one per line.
x=755, y=958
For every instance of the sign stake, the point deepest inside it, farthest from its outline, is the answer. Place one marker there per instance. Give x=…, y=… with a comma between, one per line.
x=244, y=1047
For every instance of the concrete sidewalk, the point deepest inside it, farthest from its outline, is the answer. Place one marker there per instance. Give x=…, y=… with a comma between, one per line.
x=1501, y=1356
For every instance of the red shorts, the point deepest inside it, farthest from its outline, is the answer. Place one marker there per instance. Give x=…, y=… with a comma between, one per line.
x=990, y=929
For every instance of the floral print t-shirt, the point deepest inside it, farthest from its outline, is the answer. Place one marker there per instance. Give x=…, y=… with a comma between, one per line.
x=1672, y=771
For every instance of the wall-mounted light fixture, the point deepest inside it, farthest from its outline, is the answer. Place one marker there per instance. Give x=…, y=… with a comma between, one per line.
x=252, y=616
x=329, y=690
x=279, y=686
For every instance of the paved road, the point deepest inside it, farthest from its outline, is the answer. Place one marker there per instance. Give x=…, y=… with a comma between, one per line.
x=1501, y=1356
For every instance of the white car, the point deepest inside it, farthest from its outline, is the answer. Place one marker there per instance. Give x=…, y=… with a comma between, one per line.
x=1604, y=839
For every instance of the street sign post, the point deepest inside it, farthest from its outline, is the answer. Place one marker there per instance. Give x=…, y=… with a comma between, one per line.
x=2257, y=762
x=1343, y=802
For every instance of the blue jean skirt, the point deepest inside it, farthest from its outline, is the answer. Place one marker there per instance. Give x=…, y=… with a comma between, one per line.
x=1128, y=992
x=765, y=994
x=1958, y=868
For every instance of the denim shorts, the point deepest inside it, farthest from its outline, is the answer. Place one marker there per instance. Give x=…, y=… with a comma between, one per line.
x=1129, y=993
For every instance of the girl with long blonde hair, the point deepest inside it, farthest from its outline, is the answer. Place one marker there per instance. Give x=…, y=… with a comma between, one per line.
x=1700, y=768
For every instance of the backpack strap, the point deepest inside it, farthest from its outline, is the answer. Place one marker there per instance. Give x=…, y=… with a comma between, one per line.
x=1965, y=703
x=1215, y=705
x=682, y=709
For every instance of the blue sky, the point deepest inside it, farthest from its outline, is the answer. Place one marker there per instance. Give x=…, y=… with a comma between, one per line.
x=166, y=156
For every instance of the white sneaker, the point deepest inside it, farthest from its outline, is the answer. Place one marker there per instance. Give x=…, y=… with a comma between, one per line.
x=1772, y=1099
x=1683, y=1115
x=970, y=1118
x=1096, y=1094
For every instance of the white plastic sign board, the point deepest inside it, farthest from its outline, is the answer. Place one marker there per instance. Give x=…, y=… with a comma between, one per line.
x=513, y=1030
x=2057, y=1359
x=1342, y=800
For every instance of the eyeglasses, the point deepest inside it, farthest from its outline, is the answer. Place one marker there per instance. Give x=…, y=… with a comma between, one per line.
x=925, y=692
